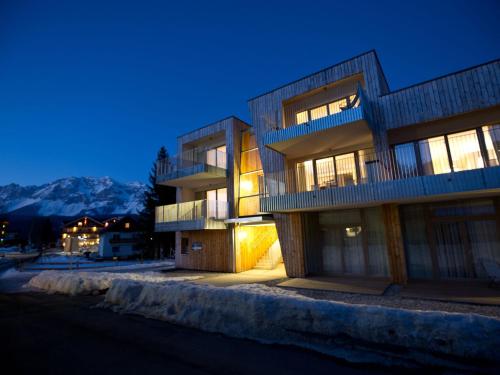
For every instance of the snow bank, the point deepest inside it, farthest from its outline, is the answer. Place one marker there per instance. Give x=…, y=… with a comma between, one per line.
x=274, y=315
x=73, y=283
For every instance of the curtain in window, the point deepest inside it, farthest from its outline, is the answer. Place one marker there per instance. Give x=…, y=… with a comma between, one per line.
x=434, y=156
x=377, y=250
x=325, y=172
x=346, y=169
x=319, y=112
x=465, y=151
x=418, y=256
x=484, y=243
x=492, y=140
x=305, y=176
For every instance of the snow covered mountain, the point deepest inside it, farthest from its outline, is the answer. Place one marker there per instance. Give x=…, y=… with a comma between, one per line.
x=73, y=196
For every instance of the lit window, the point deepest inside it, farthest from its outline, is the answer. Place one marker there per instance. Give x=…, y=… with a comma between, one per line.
x=325, y=172
x=346, y=169
x=94, y=229
x=127, y=225
x=434, y=156
x=302, y=117
x=305, y=176
x=336, y=106
x=492, y=140
x=351, y=99
x=75, y=229
x=80, y=223
x=465, y=151
x=319, y=112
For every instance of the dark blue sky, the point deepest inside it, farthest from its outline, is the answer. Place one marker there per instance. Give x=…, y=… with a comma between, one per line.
x=94, y=88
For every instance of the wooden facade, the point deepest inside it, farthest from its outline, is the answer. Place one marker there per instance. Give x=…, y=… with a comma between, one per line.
x=383, y=119
x=455, y=102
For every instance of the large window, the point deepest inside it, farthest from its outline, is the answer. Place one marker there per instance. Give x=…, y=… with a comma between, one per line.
x=471, y=149
x=351, y=101
x=333, y=171
x=217, y=157
x=250, y=175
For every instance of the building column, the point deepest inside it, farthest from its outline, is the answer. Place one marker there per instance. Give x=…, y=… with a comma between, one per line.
x=291, y=237
x=395, y=244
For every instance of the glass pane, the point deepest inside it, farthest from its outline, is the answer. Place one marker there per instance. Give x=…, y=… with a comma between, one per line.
x=249, y=206
x=212, y=157
x=378, y=264
x=346, y=169
x=250, y=161
x=325, y=172
x=302, y=117
x=492, y=140
x=248, y=141
x=465, y=151
x=434, y=156
x=249, y=184
x=450, y=250
x=319, y=112
x=222, y=195
x=351, y=99
x=406, y=161
x=221, y=156
x=336, y=106
x=369, y=166
x=305, y=176
x=417, y=250
x=485, y=244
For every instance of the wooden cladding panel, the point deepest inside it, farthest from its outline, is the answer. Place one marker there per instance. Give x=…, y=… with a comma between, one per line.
x=290, y=232
x=395, y=245
x=215, y=255
x=258, y=239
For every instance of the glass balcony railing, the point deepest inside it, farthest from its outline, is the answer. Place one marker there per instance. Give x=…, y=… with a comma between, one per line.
x=191, y=211
x=192, y=158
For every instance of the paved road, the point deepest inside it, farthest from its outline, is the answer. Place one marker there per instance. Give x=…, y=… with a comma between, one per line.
x=43, y=334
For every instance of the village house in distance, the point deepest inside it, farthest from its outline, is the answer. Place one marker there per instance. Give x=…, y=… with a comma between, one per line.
x=116, y=237
x=341, y=176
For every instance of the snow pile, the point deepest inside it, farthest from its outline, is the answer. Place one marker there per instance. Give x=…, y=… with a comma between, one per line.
x=74, y=283
x=274, y=315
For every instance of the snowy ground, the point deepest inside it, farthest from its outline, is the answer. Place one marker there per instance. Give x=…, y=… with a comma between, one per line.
x=355, y=332
x=74, y=283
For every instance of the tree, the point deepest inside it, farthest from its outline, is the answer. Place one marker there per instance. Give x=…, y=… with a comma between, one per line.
x=155, y=195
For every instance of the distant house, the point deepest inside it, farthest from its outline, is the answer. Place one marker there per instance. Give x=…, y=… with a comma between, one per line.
x=119, y=238
x=81, y=234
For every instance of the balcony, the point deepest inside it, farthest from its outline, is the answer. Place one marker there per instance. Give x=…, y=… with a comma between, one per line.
x=381, y=179
x=192, y=169
x=195, y=215
x=346, y=128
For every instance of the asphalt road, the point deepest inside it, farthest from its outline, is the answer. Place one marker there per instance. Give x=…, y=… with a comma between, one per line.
x=52, y=334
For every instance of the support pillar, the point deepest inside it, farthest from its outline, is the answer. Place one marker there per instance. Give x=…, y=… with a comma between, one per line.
x=395, y=244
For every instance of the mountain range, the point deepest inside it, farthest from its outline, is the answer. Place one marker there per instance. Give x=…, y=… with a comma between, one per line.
x=73, y=196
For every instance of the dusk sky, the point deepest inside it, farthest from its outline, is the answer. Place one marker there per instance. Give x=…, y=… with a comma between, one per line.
x=94, y=88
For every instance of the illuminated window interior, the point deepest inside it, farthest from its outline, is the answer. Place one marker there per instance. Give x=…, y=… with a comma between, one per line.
x=250, y=173
x=325, y=110
x=80, y=224
x=127, y=225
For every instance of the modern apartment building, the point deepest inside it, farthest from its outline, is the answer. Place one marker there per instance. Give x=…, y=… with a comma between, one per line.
x=217, y=219
x=354, y=179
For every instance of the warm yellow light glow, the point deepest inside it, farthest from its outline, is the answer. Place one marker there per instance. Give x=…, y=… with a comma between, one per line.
x=94, y=229
x=75, y=229
x=65, y=235
x=80, y=223
x=242, y=235
x=127, y=225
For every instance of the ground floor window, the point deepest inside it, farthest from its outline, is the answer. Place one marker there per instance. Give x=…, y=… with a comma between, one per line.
x=449, y=240
x=347, y=242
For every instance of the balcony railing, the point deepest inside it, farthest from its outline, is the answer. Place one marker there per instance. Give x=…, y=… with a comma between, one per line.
x=191, y=158
x=370, y=168
x=192, y=211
